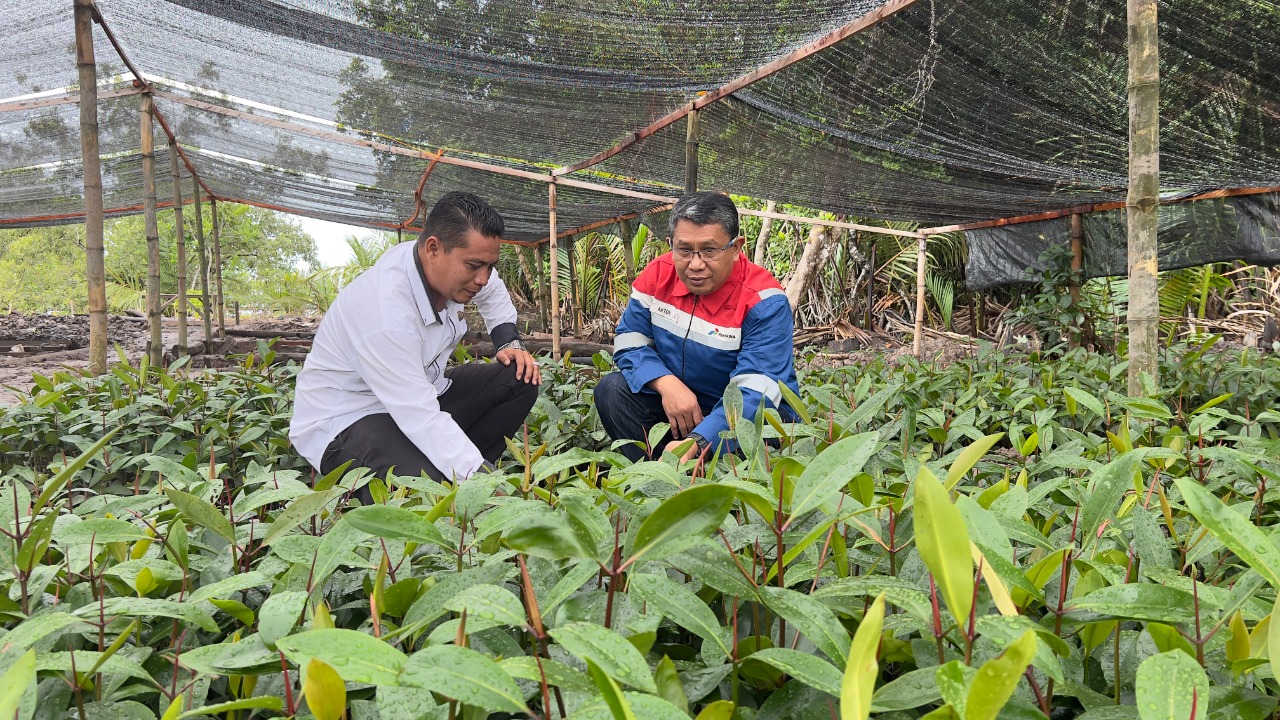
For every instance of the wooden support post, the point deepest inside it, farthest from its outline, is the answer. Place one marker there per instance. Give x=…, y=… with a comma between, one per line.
x=155, y=342
x=575, y=312
x=761, y=254
x=175, y=170
x=1144, y=192
x=217, y=270
x=555, y=271
x=871, y=290
x=691, y=154
x=917, y=345
x=206, y=310
x=95, y=270
x=237, y=312
x=1077, y=264
x=541, y=275
x=627, y=232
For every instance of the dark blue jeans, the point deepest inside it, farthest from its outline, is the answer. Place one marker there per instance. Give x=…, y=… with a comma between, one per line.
x=628, y=416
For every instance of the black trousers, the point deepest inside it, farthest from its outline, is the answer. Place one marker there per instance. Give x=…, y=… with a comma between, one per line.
x=628, y=415
x=487, y=401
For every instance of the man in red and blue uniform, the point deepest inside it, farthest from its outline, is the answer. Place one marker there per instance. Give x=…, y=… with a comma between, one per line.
x=700, y=317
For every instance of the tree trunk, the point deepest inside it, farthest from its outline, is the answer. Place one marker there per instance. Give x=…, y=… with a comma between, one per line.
x=627, y=233
x=803, y=276
x=155, y=343
x=217, y=269
x=95, y=261
x=691, y=154
x=1144, y=191
x=762, y=241
x=555, y=270
x=206, y=315
x=175, y=170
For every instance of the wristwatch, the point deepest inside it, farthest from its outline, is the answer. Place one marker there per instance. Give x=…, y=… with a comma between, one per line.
x=513, y=345
x=702, y=442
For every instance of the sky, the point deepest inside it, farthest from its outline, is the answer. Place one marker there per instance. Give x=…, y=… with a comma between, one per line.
x=331, y=239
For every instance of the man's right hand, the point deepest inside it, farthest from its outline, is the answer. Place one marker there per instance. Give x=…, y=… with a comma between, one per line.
x=680, y=405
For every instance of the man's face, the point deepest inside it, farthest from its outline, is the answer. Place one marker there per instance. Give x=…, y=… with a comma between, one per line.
x=701, y=275
x=460, y=273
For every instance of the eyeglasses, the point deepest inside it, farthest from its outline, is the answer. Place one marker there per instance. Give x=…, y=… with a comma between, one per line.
x=708, y=255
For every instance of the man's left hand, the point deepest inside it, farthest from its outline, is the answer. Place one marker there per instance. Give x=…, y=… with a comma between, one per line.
x=526, y=366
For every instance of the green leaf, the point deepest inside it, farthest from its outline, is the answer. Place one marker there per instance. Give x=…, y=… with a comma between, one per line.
x=618, y=706
x=64, y=475
x=144, y=607
x=432, y=603
x=1172, y=686
x=394, y=523
x=608, y=650
x=916, y=688
x=670, y=688
x=795, y=403
x=279, y=614
x=99, y=531
x=489, y=602
x=998, y=677
x=1103, y=498
x=1134, y=601
x=969, y=457
x=678, y=602
x=14, y=683
x=808, y=669
x=811, y=617
x=525, y=667
x=1244, y=538
x=298, y=512
x=828, y=473
x=943, y=543
x=549, y=535
x=274, y=704
x=463, y=675
x=1090, y=402
x=357, y=657
x=35, y=629
x=860, y=672
x=681, y=522
x=202, y=513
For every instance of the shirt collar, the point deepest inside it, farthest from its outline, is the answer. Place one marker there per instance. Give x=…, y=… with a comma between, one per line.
x=721, y=296
x=418, y=281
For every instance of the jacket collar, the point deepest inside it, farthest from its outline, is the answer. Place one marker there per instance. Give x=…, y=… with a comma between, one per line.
x=418, y=281
x=718, y=299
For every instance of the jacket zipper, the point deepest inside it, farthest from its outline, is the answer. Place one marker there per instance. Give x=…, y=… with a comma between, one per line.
x=686, y=336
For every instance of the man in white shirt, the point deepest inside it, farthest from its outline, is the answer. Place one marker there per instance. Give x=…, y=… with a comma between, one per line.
x=374, y=389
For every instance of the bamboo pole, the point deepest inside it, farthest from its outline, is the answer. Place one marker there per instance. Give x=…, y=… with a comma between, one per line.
x=180, y=231
x=217, y=270
x=1077, y=264
x=761, y=255
x=691, y=154
x=155, y=342
x=1143, y=200
x=95, y=262
x=871, y=290
x=206, y=315
x=922, y=256
x=553, y=251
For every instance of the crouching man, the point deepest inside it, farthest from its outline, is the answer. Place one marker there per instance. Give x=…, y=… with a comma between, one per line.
x=700, y=317
x=374, y=389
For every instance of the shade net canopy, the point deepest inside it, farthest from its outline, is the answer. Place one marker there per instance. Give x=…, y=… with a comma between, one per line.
x=938, y=113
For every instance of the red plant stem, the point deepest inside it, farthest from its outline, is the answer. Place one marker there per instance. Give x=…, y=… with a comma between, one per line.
x=288, y=687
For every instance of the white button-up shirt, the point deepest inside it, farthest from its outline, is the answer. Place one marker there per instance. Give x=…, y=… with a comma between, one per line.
x=382, y=348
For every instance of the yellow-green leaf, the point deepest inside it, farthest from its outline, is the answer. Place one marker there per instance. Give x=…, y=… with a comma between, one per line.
x=1238, y=644
x=943, y=543
x=862, y=667
x=14, y=683
x=970, y=457
x=998, y=677
x=718, y=710
x=324, y=689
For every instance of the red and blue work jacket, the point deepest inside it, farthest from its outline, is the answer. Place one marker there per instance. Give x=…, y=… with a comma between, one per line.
x=740, y=334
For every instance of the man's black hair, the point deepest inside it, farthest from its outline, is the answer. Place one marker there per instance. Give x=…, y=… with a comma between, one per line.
x=705, y=208
x=456, y=213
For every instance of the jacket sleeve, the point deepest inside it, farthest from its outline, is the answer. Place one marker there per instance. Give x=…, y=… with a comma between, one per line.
x=633, y=345
x=499, y=313
x=767, y=356
x=391, y=365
